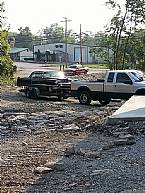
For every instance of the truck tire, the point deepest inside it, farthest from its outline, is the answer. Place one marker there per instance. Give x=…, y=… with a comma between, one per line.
x=33, y=94
x=27, y=93
x=84, y=98
x=104, y=101
x=140, y=92
x=60, y=98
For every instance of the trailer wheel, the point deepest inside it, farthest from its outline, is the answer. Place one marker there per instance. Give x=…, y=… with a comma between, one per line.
x=104, y=101
x=84, y=98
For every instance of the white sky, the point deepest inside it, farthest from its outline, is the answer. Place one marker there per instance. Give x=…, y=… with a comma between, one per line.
x=37, y=14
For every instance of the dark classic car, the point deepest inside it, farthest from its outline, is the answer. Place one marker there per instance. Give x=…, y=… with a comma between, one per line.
x=45, y=83
x=76, y=69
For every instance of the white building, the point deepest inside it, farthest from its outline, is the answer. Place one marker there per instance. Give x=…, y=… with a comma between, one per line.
x=73, y=52
x=20, y=54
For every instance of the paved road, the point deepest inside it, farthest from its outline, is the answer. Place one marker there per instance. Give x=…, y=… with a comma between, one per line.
x=24, y=69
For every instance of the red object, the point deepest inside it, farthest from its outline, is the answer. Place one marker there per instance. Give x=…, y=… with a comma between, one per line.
x=76, y=69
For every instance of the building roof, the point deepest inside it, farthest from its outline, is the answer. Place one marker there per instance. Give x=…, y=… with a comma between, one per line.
x=17, y=50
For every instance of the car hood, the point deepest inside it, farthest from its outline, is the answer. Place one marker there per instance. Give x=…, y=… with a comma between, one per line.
x=70, y=69
x=142, y=83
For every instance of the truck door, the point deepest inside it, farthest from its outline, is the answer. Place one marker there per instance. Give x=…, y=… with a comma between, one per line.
x=123, y=86
x=36, y=80
x=109, y=84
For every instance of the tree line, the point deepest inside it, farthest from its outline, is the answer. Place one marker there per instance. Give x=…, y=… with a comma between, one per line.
x=124, y=36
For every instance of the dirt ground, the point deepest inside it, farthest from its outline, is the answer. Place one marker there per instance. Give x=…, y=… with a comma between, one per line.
x=49, y=146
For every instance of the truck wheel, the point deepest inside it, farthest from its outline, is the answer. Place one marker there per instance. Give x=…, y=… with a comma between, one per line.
x=104, y=101
x=84, y=98
x=27, y=93
x=60, y=98
x=33, y=94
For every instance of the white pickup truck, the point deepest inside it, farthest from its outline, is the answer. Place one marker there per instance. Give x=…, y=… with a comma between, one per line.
x=118, y=84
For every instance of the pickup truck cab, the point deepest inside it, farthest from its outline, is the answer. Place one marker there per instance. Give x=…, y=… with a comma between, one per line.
x=118, y=84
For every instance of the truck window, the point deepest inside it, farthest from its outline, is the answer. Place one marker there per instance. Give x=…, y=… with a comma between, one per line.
x=110, y=77
x=122, y=78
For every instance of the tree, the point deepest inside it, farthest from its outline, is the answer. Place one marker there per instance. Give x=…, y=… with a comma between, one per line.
x=125, y=21
x=55, y=34
x=6, y=67
x=24, y=39
x=136, y=50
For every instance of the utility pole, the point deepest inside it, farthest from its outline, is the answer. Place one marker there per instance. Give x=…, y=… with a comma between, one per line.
x=66, y=20
x=81, y=53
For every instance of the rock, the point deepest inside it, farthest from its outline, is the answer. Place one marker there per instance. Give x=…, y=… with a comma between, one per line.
x=42, y=170
x=24, y=144
x=124, y=141
x=133, y=191
x=119, y=142
x=59, y=166
x=88, y=153
x=126, y=136
x=117, y=134
x=71, y=127
x=70, y=151
x=108, y=146
x=101, y=172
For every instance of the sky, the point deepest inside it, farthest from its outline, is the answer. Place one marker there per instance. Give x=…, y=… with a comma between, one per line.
x=93, y=15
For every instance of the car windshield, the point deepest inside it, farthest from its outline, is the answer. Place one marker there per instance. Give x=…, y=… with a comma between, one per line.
x=137, y=77
x=36, y=75
x=53, y=74
x=75, y=66
x=49, y=74
x=72, y=66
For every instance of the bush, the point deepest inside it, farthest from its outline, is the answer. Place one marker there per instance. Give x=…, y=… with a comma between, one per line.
x=6, y=67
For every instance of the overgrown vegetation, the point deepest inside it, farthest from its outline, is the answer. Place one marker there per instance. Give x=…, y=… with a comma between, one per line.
x=7, y=69
x=126, y=37
x=7, y=81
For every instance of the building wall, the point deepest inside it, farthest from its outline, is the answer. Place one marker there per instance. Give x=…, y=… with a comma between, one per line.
x=26, y=54
x=73, y=51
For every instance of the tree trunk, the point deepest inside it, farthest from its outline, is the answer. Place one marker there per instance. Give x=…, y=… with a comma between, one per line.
x=119, y=37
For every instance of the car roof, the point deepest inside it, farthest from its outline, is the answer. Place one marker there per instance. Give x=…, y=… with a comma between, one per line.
x=127, y=70
x=42, y=71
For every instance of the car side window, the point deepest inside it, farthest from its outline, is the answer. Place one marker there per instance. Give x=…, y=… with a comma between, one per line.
x=110, y=77
x=122, y=78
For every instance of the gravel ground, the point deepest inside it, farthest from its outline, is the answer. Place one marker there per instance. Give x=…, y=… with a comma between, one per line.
x=49, y=146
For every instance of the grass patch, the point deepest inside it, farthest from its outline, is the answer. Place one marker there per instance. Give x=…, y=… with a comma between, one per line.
x=101, y=66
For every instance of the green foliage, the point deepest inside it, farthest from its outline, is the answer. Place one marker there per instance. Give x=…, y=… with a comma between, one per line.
x=121, y=30
x=7, y=81
x=24, y=39
x=6, y=67
x=55, y=33
x=6, y=64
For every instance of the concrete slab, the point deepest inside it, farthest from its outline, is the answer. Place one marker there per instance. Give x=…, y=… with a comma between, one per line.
x=131, y=110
